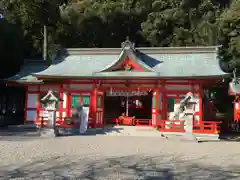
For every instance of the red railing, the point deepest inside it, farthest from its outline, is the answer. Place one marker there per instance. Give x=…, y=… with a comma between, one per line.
x=171, y=125
x=132, y=121
x=125, y=120
x=75, y=124
x=143, y=122
x=206, y=127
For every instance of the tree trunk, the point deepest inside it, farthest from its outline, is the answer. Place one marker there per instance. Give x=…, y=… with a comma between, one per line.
x=45, y=43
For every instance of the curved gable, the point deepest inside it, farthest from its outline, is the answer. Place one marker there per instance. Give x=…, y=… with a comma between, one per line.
x=128, y=60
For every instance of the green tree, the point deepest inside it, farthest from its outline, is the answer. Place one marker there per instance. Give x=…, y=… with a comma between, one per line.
x=31, y=16
x=229, y=23
x=11, y=51
x=181, y=23
x=103, y=23
x=106, y=23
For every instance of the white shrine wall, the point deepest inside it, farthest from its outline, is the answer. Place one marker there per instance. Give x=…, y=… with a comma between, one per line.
x=31, y=106
x=33, y=110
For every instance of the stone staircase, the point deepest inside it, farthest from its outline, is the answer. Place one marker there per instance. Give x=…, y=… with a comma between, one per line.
x=131, y=131
x=139, y=131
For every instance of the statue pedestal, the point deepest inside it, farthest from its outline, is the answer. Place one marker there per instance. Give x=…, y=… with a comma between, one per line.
x=188, y=126
x=49, y=132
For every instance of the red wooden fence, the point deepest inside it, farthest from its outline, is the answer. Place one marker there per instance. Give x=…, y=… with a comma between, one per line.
x=206, y=127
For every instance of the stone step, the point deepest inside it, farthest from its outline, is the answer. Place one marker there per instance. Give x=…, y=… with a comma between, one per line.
x=152, y=132
x=24, y=127
x=136, y=135
x=206, y=137
x=198, y=137
x=134, y=128
x=137, y=131
x=133, y=131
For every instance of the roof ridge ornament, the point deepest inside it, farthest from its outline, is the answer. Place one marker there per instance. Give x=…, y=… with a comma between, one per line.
x=128, y=43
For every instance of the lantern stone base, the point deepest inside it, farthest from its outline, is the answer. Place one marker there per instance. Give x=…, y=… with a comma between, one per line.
x=49, y=132
x=191, y=137
x=68, y=131
x=188, y=126
x=207, y=137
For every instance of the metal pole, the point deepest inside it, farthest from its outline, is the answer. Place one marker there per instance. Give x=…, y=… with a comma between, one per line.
x=45, y=43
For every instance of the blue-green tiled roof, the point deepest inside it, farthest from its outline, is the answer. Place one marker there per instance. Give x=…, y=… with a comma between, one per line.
x=165, y=62
x=186, y=65
x=25, y=74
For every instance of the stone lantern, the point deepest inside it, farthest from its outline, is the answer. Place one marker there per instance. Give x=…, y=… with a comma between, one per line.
x=189, y=103
x=51, y=99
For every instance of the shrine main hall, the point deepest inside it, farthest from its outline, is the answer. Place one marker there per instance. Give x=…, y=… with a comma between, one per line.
x=141, y=85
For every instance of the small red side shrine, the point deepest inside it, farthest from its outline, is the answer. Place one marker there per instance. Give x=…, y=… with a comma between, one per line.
x=234, y=90
x=128, y=85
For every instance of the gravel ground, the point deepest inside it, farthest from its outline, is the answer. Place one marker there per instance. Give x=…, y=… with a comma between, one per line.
x=126, y=158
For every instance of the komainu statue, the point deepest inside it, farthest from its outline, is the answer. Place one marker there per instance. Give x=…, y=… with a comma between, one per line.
x=181, y=107
x=186, y=110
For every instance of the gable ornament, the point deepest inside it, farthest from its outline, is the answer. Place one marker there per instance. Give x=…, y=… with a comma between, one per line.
x=127, y=67
x=128, y=43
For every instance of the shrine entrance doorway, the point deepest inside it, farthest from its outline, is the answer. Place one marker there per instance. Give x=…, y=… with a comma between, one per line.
x=133, y=105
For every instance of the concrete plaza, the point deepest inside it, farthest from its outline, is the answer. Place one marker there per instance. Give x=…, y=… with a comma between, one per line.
x=101, y=157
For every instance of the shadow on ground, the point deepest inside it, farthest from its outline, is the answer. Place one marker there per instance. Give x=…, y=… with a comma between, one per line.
x=18, y=133
x=90, y=132
x=230, y=137
x=23, y=133
x=124, y=168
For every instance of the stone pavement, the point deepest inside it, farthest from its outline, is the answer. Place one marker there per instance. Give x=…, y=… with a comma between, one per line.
x=117, y=157
x=26, y=132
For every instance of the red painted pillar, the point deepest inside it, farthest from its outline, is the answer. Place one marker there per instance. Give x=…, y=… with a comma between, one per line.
x=68, y=104
x=236, y=111
x=99, y=107
x=155, y=107
x=26, y=106
x=200, y=103
x=61, y=104
x=94, y=106
x=38, y=105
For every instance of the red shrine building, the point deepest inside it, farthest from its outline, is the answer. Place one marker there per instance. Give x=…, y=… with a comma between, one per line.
x=234, y=90
x=128, y=85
